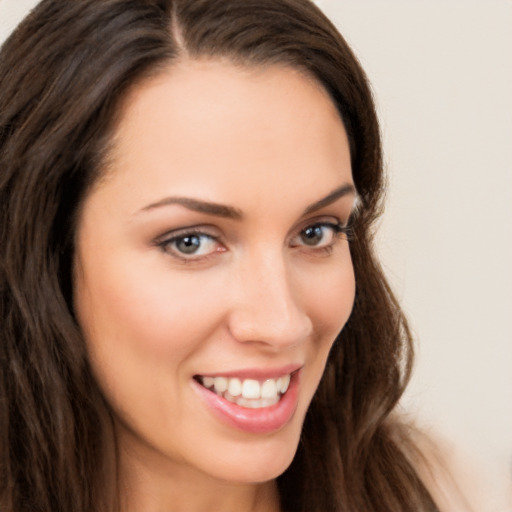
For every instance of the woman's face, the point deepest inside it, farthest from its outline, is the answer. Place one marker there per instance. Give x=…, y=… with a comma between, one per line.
x=212, y=271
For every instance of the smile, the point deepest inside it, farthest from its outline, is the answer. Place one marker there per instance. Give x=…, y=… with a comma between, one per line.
x=256, y=401
x=249, y=393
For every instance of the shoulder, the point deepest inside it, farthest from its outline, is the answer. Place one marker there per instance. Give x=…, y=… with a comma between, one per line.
x=439, y=467
x=450, y=475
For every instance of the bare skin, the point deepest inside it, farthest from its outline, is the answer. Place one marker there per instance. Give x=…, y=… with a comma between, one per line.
x=215, y=245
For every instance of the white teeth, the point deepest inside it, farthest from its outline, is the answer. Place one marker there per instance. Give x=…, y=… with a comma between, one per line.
x=248, y=393
x=284, y=384
x=235, y=387
x=269, y=389
x=251, y=389
x=220, y=384
x=229, y=398
x=243, y=402
x=208, y=382
x=256, y=404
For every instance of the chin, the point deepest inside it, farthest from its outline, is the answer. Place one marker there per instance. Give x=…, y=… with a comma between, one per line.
x=258, y=470
x=254, y=461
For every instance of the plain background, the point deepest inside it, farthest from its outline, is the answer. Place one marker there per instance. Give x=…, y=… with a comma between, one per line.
x=442, y=77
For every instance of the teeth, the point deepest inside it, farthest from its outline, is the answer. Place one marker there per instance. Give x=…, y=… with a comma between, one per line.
x=269, y=389
x=220, y=384
x=235, y=387
x=209, y=382
x=285, y=382
x=257, y=404
x=248, y=393
x=251, y=389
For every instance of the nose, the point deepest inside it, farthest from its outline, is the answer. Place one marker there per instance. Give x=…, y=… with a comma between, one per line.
x=268, y=306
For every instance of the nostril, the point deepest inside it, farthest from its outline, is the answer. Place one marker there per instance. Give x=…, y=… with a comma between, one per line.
x=251, y=326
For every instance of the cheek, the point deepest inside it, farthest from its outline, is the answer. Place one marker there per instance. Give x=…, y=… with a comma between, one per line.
x=142, y=330
x=136, y=313
x=330, y=297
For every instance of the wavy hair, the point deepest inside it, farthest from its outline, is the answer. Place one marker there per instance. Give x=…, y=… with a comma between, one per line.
x=63, y=74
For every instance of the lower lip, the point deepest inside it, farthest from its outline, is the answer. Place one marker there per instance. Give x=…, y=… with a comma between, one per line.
x=256, y=421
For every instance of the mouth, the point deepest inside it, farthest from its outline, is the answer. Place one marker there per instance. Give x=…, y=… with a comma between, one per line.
x=256, y=401
x=248, y=393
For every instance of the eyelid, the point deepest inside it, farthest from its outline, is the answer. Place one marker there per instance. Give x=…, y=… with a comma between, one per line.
x=333, y=223
x=165, y=241
x=327, y=220
x=195, y=229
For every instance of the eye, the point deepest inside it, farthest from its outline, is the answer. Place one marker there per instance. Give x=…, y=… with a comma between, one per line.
x=319, y=235
x=190, y=245
x=316, y=235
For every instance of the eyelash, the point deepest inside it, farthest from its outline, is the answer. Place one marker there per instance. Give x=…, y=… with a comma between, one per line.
x=339, y=232
x=167, y=243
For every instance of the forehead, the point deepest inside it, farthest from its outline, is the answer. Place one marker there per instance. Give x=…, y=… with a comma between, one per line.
x=205, y=123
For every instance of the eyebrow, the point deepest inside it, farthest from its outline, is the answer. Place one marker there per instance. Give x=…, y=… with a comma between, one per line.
x=219, y=210
x=230, y=212
x=337, y=193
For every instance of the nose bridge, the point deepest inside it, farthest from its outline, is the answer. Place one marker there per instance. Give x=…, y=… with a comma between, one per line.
x=268, y=308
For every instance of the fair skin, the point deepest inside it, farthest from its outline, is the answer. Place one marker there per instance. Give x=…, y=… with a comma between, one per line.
x=214, y=250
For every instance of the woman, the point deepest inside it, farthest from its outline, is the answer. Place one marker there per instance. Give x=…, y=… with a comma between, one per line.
x=192, y=314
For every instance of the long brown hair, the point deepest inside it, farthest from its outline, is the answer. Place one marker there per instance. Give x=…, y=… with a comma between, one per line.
x=63, y=74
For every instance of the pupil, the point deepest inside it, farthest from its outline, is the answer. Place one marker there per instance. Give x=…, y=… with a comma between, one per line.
x=188, y=244
x=312, y=235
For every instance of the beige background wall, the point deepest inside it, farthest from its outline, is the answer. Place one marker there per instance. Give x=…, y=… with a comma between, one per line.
x=442, y=75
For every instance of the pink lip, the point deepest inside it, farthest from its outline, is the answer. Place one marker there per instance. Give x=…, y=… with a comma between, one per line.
x=257, y=373
x=256, y=421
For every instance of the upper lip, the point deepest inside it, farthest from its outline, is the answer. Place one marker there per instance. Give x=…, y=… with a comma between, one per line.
x=256, y=373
